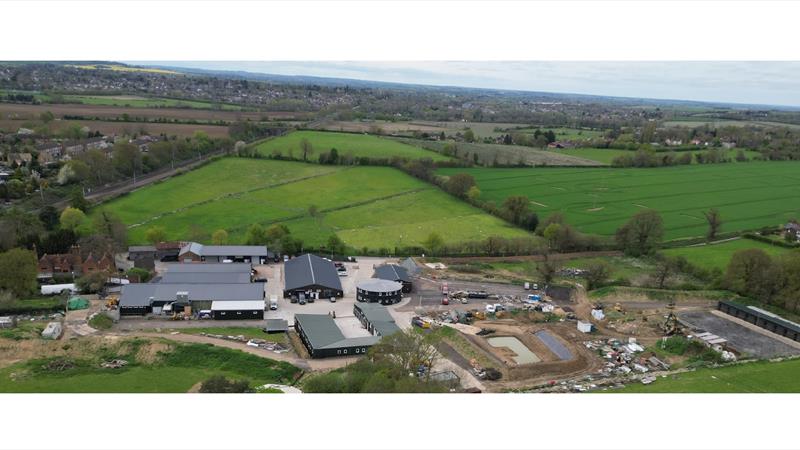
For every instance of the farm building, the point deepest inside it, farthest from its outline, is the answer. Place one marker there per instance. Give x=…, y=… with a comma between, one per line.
x=276, y=326
x=375, y=318
x=144, y=298
x=205, y=277
x=323, y=338
x=238, y=310
x=761, y=318
x=143, y=256
x=309, y=276
x=194, y=252
x=207, y=268
x=168, y=251
x=394, y=272
x=376, y=290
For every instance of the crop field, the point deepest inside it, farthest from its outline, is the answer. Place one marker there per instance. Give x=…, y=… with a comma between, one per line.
x=758, y=377
x=568, y=134
x=147, y=102
x=717, y=123
x=359, y=145
x=506, y=154
x=599, y=200
x=374, y=207
x=123, y=68
x=481, y=129
x=606, y=155
x=712, y=256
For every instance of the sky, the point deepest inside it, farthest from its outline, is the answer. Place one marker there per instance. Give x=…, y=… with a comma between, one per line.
x=764, y=83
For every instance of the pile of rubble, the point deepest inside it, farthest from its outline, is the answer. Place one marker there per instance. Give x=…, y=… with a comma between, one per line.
x=114, y=364
x=622, y=358
x=268, y=345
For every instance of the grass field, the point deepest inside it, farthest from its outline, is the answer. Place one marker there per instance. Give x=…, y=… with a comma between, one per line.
x=358, y=145
x=597, y=200
x=758, y=377
x=717, y=123
x=174, y=368
x=718, y=255
x=147, y=102
x=374, y=207
x=506, y=154
x=568, y=134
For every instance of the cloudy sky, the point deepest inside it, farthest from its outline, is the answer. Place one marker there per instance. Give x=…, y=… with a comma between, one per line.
x=767, y=83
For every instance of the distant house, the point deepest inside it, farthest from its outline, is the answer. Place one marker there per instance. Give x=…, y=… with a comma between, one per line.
x=20, y=159
x=72, y=263
x=25, y=131
x=792, y=229
x=73, y=148
x=143, y=142
x=49, y=152
x=99, y=143
x=143, y=256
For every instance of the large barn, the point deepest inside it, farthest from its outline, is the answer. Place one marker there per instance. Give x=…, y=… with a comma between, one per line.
x=193, y=252
x=309, y=276
x=375, y=318
x=238, y=310
x=145, y=298
x=394, y=272
x=323, y=338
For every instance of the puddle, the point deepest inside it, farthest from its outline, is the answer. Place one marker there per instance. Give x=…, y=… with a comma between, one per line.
x=523, y=354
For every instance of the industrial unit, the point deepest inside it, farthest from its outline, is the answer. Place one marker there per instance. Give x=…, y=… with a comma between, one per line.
x=394, y=272
x=238, y=310
x=375, y=318
x=761, y=318
x=193, y=252
x=156, y=298
x=311, y=277
x=323, y=338
x=376, y=290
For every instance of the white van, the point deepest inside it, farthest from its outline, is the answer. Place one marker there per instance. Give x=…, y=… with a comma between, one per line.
x=273, y=302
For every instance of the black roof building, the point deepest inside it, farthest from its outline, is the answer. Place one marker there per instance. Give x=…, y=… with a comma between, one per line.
x=394, y=272
x=761, y=318
x=376, y=290
x=311, y=277
x=323, y=338
x=375, y=318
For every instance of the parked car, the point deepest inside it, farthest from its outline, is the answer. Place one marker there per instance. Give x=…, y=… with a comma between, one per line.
x=445, y=300
x=490, y=309
x=273, y=302
x=302, y=301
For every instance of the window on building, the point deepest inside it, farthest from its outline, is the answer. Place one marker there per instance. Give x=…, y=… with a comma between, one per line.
x=345, y=351
x=356, y=350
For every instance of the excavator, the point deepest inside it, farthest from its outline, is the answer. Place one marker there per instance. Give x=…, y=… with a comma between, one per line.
x=112, y=301
x=670, y=325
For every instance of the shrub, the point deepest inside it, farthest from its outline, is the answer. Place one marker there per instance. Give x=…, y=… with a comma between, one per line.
x=220, y=385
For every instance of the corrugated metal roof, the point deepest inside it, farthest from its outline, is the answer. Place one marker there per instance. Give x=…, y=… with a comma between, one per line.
x=224, y=250
x=379, y=285
x=308, y=270
x=322, y=331
x=207, y=268
x=249, y=305
x=276, y=325
x=391, y=272
x=140, y=294
x=205, y=278
x=141, y=248
x=379, y=317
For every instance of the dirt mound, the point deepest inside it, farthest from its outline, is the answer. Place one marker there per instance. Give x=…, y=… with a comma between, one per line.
x=151, y=352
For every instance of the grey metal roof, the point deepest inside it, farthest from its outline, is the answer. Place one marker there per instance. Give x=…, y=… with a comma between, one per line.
x=141, y=248
x=225, y=250
x=276, y=325
x=207, y=268
x=410, y=265
x=391, y=272
x=308, y=270
x=379, y=317
x=322, y=331
x=379, y=285
x=205, y=278
x=140, y=294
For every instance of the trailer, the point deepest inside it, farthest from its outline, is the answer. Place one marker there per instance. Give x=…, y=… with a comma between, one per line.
x=55, y=289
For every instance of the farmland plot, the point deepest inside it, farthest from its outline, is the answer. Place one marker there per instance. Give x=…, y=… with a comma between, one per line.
x=596, y=200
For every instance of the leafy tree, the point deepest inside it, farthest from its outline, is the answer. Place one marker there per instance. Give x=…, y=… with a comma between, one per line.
x=72, y=218
x=219, y=237
x=92, y=283
x=714, y=223
x=336, y=246
x=551, y=233
x=433, y=243
x=78, y=201
x=155, y=234
x=407, y=350
x=58, y=241
x=255, y=235
x=474, y=193
x=752, y=273
x=597, y=274
x=517, y=207
x=469, y=135
x=49, y=217
x=18, y=270
x=46, y=117
x=641, y=234
x=459, y=184
x=110, y=225
x=142, y=274
x=127, y=158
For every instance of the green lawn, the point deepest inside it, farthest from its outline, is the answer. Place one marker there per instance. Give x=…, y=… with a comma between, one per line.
x=718, y=255
x=599, y=200
x=39, y=305
x=178, y=370
x=758, y=377
x=376, y=207
x=359, y=145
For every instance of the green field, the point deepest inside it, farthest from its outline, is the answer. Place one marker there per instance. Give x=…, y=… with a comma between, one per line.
x=374, y=207
x=175, y=369
x=599, y=200
x=359, y=145
x=758, y=377
x=718, y=255
x=568, y=134
x=607, y=155
x=504, y=154
x=147, y=102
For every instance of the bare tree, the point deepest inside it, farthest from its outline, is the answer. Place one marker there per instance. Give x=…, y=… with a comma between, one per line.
x=714, y=223
x=306, y=148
